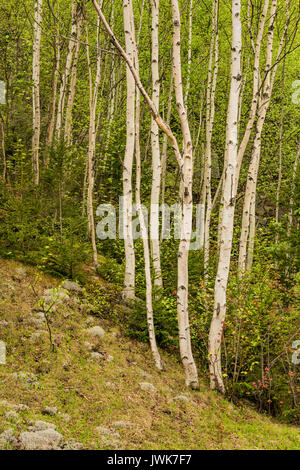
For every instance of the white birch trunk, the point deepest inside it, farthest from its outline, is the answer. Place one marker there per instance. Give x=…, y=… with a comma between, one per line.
x=71, y=97
x=129, y=280
x=92, y=135
x=217, y=324
x=156, y=161
x=36, y=109
x=210, y=113
x=144, y=232
x=187, y=212
x=185, y=166
x=51, y=125
x=246, y=246
x=66, y=74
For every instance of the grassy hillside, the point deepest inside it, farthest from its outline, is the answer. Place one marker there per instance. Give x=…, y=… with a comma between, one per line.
x=93, y=385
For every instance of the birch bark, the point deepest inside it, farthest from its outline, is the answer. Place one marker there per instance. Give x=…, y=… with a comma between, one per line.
x=36, y=109
x=156, y=160
x=187, y=211
x=129, y=280
x=219, y=314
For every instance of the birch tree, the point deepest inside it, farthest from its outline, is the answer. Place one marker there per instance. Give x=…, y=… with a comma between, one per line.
x=156, y=160
x=93, y=98
x=219, y=313
x=71, y=97
x=36, y=106
x=246, y=245
x=66, y=73
x=139, y=207
x=210, y=114
x=129, y=280
x=185, y=166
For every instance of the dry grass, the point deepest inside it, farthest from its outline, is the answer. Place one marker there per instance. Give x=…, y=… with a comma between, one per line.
x=77, y=385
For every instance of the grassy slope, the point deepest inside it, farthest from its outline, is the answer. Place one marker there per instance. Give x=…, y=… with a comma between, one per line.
x=76, y=385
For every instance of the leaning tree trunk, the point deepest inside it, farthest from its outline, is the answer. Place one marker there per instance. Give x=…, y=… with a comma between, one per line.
x=36, y=107
x=185, y=164
x=218, y=320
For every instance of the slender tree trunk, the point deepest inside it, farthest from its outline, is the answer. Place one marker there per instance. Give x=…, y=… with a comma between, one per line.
x=187, y=212
x=66, y=74
x=210, y=113
x=218, y=320
x=92, y=134
x=129, y=281
x=255, y=89
x=71, y=97
x=189, y=59
x=4, y=173
x=293, y=187
x=36, y=107
x=164, y=159
x=185, y=166
x=156, y=161
x=144, y=232
x=247, y=237
x=56, y=65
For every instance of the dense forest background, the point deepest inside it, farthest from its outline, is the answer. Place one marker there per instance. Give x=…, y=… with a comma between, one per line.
x=49, y=188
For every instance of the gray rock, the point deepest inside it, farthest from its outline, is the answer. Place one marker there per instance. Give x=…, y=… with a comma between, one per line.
x=96, y=356
x=182, y=397
x=148, y=387
x=27, y=377
x=50, y=410
x=37, y=323
x=73, y=445
x=19, y=407
x=144, y=374
x=47, y=439
x=71, y=286
x=96, y=332
x=41, y=426
x=6, y=437
x=110, y=442
x=4, y=323
x=55, y=296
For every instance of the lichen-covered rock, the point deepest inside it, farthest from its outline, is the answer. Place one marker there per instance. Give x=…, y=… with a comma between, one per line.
x=50, y=410
x=182, y=397
x=47, y=439
x=148, y=387
x=96, y=332
x=72, y=286
x=6, y=437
